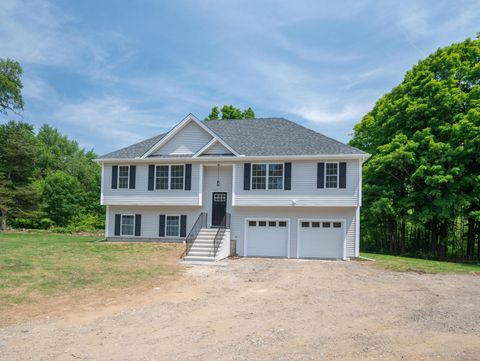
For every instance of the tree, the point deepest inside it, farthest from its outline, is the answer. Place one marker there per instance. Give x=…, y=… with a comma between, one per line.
x=62, y=196
x=422, y=183
x=214, y=113
x=231, y=112
x=18, y=197
x=10, y=86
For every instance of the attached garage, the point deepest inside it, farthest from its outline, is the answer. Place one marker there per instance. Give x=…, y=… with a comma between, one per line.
x=321, y=239
x=267, y=237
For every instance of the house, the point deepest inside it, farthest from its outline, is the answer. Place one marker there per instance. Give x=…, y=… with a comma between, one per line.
x=269, y=186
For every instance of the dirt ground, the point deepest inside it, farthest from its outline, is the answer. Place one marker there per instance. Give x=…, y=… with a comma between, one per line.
x=263, y=309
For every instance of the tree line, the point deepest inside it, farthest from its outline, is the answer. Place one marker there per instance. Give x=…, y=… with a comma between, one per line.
x=422, y=184
x=46, y=179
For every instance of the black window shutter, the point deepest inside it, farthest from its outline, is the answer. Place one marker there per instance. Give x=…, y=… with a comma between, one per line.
x=246, y=176
x=117, y=224
x=161, y=227
x=133, y=176
x=342, y=183
x=151, y=177
x=188, y=177
x=287, y=185
x=114, y=176
x=138, y=225
x=320, y=175
x=183, y=225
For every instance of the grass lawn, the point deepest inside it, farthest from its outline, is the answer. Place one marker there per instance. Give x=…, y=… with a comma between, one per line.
x=402, y=264
x=36, y=264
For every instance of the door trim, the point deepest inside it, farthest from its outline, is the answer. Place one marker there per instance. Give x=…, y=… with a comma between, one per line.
x=245, y=225
x=344, y=233
x=211, y=205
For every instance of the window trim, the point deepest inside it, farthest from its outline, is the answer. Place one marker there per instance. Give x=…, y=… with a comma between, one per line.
x=325, y=175
x=267, y=176
x=169, y=177
x=128, y=177
x=121, y=225
x=179, y=225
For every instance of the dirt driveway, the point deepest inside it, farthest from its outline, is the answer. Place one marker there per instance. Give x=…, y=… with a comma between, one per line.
x=260, y=309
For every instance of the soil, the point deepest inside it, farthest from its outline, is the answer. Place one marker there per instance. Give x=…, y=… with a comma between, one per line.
x=264, y=309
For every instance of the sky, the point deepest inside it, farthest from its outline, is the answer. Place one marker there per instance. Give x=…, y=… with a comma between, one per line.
x=111, y=73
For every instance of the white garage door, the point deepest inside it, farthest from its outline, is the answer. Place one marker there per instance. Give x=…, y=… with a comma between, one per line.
x=320, y=239
x=267, y=238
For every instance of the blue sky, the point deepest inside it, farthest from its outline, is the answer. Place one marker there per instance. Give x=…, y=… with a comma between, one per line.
x=110, y=73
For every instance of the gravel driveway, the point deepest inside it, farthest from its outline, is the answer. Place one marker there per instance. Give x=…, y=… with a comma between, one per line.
x=263, y=309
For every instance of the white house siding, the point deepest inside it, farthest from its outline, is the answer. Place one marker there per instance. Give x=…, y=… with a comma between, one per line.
x=304, y=190
x=150, y=219
x=142, y=196
x=210, y=185
x=217, y=148
x=188, y=140
x=239, y=215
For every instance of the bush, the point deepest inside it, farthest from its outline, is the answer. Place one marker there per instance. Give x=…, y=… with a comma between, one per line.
x=31, y=223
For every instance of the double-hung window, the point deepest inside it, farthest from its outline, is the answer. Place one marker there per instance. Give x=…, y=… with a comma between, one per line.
x=123, y=176
x=128, y=225
x=267, y=176
x=172, y=226
x=331, y=175
x=169, y=177
x=161, y=177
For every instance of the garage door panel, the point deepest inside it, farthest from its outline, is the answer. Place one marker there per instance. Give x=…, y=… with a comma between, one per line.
x=266, y=238
x=321, y=241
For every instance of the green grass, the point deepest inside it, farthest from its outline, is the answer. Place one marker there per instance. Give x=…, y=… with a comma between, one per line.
x=403, y=264
x=34, y=264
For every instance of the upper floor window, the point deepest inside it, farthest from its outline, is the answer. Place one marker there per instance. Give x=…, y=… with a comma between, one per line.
x=267, y=176
x=123, y=176
x=331, y=175
x=170, y=177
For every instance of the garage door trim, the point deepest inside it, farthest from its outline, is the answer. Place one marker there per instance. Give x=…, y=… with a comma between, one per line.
x=265, y=219
x=344, y=232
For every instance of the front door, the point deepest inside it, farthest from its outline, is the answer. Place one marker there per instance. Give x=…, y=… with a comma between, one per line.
x=219, y=209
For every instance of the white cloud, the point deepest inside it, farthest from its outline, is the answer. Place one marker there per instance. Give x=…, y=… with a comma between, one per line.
x=348, y=113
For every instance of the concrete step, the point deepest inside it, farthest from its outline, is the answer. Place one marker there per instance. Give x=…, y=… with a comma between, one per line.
x=202, y=246
x=199, y=259
x=200, y=253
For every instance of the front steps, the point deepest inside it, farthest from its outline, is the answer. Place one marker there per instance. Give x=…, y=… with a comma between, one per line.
x=202, y=249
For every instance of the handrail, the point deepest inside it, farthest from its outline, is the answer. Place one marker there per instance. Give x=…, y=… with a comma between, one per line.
x=200, y=223
x=225, y=224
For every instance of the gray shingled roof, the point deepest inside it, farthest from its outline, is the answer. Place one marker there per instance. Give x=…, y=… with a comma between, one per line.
x=257, y=137
x=275, y=136
x=134, y=150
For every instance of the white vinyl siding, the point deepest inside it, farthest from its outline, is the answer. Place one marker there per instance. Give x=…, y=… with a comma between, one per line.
x=217, y=149
x=188, y=140
x=304, y=191
x=142, y=196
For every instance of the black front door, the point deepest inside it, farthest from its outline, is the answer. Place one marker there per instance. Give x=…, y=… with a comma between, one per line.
x=219, y=209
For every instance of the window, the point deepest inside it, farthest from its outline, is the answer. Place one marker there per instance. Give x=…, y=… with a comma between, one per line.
x=337, y=225
x=123, y=176
x=262, y=224
x=272, y=224
x=315, y=224
x=176, y=176
x=331, y=175
x=282, y=224
x=161, y=177
x=305, y=224
x=219, y=197
x=169, y=177
x=326, y=224
x=259, y=176
x=252, y=223
x=275, y=176
x=172, y=226
x=128, y=225
x=267, y=176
